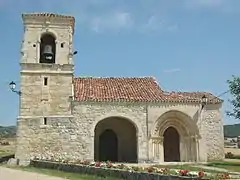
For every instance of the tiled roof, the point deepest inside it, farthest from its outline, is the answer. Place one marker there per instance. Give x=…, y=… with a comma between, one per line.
x=136, y=89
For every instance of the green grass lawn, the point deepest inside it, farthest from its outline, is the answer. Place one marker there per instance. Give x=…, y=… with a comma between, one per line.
x=231, y=166
x=5, y=150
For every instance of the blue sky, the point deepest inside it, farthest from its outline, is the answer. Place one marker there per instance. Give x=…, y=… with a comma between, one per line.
x=188, y=45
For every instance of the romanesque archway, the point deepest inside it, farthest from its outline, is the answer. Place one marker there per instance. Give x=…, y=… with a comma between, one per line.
x=171, y=145
x=175, y=138
x=115, y=139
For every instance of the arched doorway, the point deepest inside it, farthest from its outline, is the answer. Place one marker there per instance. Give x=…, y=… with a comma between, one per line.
x=115, y=139
x=108, y=146
x=171, y=145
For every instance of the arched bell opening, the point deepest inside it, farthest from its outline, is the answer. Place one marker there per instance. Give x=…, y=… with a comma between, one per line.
x=47, y=49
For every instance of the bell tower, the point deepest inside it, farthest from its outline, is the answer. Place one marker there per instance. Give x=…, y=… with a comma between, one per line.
x=46, y=80
x=46, y=66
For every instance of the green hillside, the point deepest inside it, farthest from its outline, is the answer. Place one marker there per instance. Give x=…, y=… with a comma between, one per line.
x=7, y=131
x=232, y=130
x=229, y=131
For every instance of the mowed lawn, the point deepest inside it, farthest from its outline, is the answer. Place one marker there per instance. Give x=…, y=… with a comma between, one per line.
x=229, y=165
x=5, y=150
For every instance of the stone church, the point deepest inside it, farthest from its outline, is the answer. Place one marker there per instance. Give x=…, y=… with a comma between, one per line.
x=121, y=119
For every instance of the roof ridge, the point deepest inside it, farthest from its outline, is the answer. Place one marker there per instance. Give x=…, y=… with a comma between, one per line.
x=203, y=92
x=119, y=77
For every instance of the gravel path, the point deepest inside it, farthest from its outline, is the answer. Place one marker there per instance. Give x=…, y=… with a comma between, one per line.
x=12, y=174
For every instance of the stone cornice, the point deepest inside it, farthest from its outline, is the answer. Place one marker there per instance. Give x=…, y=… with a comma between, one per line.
x=48, y=19
x=145, y=104
x=46, y=68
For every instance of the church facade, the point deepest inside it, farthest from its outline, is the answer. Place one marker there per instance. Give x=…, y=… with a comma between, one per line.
x=125, y=119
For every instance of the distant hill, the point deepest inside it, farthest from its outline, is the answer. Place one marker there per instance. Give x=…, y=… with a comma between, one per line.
x=7, y=131
x=229, y=131
x=232, y=130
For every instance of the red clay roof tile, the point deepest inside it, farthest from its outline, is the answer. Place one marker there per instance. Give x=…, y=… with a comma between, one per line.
x=138, y=89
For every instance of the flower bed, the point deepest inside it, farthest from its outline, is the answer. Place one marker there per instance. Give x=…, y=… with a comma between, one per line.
x=121, y=171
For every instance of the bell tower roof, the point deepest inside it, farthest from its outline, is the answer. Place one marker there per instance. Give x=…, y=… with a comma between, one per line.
x=40, y=18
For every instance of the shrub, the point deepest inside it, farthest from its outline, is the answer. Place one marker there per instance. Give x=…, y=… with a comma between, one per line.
x=229, y=155
x=5, y=143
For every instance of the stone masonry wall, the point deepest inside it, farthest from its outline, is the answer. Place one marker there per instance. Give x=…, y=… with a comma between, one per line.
x=213, y=125
x=209, y=123
x=73, y=137
x=40, y=100
x=61, y=138
x=89, y=114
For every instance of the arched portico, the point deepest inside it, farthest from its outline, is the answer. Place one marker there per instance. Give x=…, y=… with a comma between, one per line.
x=175, y=138
x=115, y=139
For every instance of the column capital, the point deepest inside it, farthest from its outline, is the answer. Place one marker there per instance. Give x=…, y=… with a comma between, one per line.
x=195, y=137
x=157, y=139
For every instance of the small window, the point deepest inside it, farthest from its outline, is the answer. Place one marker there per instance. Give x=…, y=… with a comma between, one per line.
x=45, y=81
x=62, y=45
x=34, y=45
x=45, y=121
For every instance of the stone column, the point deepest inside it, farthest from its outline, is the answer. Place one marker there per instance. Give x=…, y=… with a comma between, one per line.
x=38, y=51
x=184, y=145
x=193, y=148
x=157, y=148
x=161, y=138
x=197, y=147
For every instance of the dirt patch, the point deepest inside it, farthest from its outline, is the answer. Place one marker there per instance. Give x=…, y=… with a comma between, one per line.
x=234, y=151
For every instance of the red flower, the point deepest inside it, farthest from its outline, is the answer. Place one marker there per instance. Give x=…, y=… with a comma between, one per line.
x=97, y=164
x=201, y=174
x=184, y=172
x=150, y=169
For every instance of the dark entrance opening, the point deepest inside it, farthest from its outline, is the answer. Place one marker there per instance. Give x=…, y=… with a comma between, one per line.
x=108, y=146
x=171, y=145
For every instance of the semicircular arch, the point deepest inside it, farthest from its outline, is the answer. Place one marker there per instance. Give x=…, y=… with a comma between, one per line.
x=121, y=116
x=182, y=122
x=49, y=32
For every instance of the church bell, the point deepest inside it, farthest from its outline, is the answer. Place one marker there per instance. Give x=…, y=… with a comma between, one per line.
x=47, y=52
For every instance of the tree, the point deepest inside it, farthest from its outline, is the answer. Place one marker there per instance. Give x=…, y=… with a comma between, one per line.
x=234, y=88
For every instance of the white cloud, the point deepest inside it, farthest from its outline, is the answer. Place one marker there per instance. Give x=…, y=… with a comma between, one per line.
x=100, y=15
x=205, y=3
x=112, y=21
x=154, y=23
x=225, y=6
